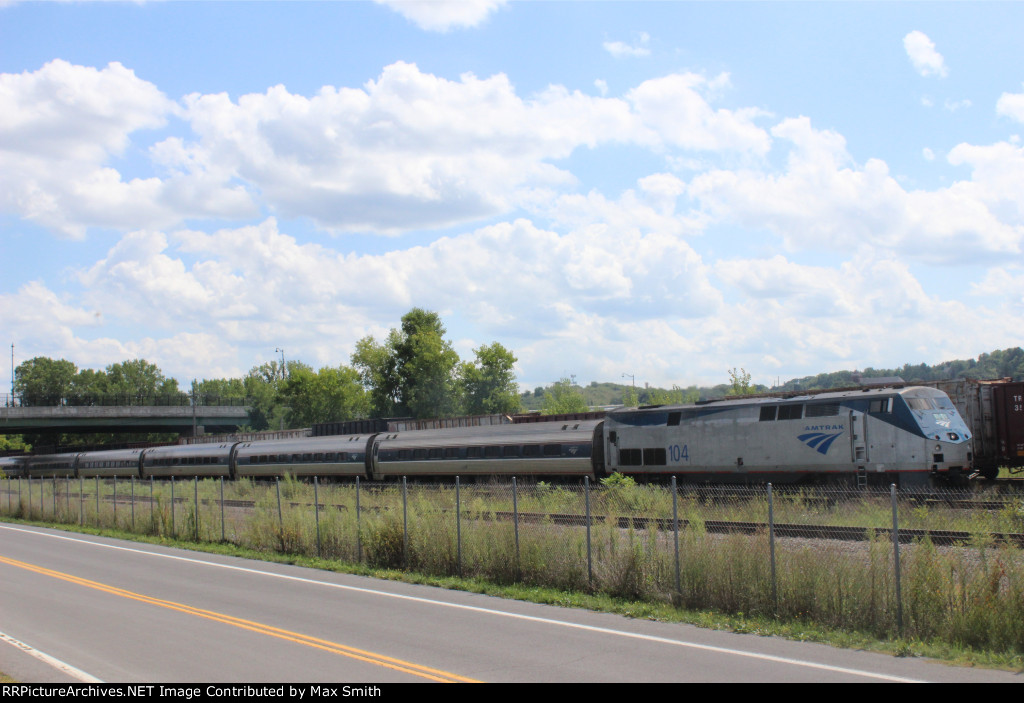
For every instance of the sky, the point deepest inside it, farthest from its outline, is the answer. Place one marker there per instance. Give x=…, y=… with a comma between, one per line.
x=615, y=191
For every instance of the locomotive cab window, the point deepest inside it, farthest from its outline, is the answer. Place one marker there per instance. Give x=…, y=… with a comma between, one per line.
x=768, y=413
x=880, y=405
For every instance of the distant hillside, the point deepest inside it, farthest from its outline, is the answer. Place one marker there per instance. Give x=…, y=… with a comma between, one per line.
x=1005, y=363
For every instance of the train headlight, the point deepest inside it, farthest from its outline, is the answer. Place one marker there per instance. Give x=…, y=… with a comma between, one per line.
x=938, y=447
x=953, y=436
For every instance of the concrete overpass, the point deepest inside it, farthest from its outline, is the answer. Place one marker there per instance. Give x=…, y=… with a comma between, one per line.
x=141, y=418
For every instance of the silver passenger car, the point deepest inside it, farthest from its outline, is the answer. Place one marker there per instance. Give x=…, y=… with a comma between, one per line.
x=188, y=460
x=105, y=464
x=337, y=455
x=540, y=449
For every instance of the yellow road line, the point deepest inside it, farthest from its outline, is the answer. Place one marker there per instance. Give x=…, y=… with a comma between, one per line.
x=325, y=645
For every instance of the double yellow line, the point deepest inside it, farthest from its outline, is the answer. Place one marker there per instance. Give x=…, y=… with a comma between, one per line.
x=298, y=638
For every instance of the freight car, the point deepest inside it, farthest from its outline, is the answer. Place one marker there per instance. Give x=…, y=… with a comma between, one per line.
x=910, y=436
x=994, y=413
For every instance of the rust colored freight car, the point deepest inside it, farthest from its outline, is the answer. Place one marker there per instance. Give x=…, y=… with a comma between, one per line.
x=994, y=412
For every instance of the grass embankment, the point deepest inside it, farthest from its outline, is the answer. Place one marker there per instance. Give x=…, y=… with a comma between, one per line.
x=963, y=604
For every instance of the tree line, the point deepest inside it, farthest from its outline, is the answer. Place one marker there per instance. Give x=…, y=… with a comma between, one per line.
x=414, y=372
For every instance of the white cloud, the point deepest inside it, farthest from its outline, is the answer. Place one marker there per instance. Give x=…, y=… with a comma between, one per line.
x=408, y=150
x=925, y=59
x=620, y=49
x=442, y=15
x=415, y=150
x=1011, y=105
x=60, y=125
x=823, y=200
x=676, y=108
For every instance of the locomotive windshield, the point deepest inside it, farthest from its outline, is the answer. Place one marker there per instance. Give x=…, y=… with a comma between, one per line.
x=936, y=415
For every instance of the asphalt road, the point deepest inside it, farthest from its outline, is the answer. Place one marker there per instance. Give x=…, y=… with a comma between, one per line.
x=113, y=611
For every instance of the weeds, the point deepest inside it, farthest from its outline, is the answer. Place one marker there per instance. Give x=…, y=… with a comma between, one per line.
x=970, y=596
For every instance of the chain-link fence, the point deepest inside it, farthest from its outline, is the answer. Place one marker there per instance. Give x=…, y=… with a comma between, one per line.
x=939, y=565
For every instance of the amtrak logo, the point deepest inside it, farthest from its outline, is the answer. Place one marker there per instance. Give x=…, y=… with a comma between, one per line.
x=819, y=440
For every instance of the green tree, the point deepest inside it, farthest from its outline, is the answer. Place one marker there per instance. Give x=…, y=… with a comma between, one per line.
x=414, y=372
x=44, y=381
x=739, y=382
x=677, y=395
x=138, y=382
x=489, y=385
x=89, y=387
x=563, y=396
x=630, y=398
x=263, y=386
x=217, y=390
x=329, y=395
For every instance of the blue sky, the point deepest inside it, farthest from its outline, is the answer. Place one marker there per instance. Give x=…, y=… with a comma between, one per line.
x=662, y=189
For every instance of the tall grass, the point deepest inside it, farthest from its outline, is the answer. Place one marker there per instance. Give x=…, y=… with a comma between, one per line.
x=970, y=595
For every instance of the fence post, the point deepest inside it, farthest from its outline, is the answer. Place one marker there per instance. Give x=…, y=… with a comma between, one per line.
x=222, y=530
x=359, y=529
x=458, y=528
x=280, y=515
x=896, y=558
x=133, y=503
x=675, y=540
x=405, y=524
x=316, y=512
x=152, y=520
x=97, y=501
x=173, y=527
x=771, y=547
x=590, y=563
x=81, y=500
x=115, y=502
x=515, y=523
x=195, y=498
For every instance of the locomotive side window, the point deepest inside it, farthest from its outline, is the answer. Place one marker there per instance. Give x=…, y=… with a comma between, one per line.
x=768, y=413
x=552, y=450
x=673, y=419
x=822, y=410
x=654, y=456
x=630, y=457
x=474, y=452
x=791, y=412
x=531, y=450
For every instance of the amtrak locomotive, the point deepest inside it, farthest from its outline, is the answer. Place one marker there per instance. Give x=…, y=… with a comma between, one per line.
x=910, y=436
